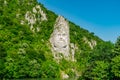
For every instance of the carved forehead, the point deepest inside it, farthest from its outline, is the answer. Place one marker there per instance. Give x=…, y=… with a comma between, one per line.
x=60, y=32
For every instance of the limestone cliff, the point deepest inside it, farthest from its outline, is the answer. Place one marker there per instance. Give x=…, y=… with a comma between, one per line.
x=34, y=16
x=31, y=35
x=60, y=39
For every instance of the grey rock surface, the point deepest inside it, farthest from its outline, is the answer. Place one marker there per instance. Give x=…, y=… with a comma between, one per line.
x=60, y=39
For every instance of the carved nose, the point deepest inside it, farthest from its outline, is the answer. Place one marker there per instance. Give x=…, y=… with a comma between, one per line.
x=60, y=38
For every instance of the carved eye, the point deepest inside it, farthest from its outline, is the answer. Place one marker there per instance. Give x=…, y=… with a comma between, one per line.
x=65, y=46
x=58, y=34
x=55, y=46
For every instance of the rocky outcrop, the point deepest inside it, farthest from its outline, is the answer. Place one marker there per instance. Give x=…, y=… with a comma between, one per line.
x=32, y=18
x=64, y=75
x=60, y=39
x=37, y=9
x=73, y=47
x=92, y=43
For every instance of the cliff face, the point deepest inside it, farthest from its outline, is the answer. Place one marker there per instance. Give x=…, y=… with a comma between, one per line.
x=60, y=39
x=33, y=39
x=34, y=16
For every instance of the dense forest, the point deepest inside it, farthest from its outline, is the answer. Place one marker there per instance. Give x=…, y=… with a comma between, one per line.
x=26, y=53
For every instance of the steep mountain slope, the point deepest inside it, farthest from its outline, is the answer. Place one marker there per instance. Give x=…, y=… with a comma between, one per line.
x=31, y=45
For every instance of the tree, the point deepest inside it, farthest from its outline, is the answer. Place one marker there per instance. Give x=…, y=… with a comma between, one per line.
x=50, y=69
x=102, y=51
x=98, y=71
x=116, y=66
x=116, y=60
x=117, y=47
x=99, y=62
x=3, y=55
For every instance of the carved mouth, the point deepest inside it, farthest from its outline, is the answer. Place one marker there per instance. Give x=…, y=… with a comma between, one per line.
x=60, y=44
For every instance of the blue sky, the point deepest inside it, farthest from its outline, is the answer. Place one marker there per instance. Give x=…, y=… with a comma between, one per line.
x=99, y=16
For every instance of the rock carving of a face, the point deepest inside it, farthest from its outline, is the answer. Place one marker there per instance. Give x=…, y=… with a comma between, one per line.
x=60, y=39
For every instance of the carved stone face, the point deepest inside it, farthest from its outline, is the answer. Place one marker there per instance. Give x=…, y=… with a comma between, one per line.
x=60, y=39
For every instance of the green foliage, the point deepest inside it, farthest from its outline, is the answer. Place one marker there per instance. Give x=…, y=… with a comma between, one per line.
x=50, y=69
x=117, y=47
x=3, y=55
x=116, y=66
x=24, y=54
x=99, y=62
x=102, y=51
x=116, y=60
x=100, y=71
x=27, y=54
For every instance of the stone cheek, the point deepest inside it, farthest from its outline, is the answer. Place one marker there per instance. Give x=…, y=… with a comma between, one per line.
x=60, y=38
